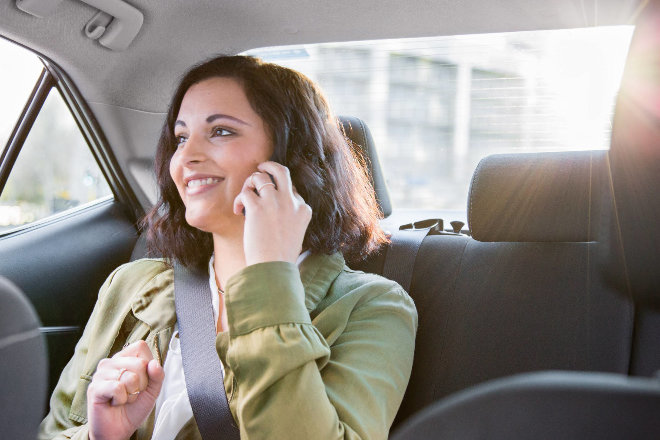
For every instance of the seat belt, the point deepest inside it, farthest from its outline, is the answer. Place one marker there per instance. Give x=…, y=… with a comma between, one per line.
x=201, y=364
x=405, y=243
x=401, y=255
x=402, y=252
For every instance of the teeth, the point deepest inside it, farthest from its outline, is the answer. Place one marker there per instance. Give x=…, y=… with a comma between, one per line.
x=199, y=182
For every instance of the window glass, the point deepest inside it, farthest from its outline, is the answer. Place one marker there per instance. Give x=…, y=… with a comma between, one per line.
x=55, y=169
x=19, y=71
x=436, y=106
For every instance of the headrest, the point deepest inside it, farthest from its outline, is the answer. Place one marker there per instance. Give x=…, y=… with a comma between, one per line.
x=635, y=159
x=534, y=197
x=357, y=131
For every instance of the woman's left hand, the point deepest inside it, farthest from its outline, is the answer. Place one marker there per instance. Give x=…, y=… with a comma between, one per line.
x=276, y=216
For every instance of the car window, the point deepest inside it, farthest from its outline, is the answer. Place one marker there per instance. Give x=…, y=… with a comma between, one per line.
x=54, y=170
x=19, y=71
x=436, y=106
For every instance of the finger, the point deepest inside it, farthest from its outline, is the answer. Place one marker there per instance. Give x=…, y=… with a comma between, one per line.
x=106, y=391
x=117, y=362
x=258, y=178
x=261, y=181
x=280, y=174
x=110, y=368
x=266, y=188
x=131, y=384
x=296, y=194
x=239, y=207
x=120, y=395
x=138, y=349
x=152, y=384
x=156, y=376
x=132, y=397
x=249, y=198
x=134, y=382
x=245, y=200
x=131, y=372
x=250, y=181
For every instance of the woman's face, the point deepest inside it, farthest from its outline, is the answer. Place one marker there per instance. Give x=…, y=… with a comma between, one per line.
x=220, y=141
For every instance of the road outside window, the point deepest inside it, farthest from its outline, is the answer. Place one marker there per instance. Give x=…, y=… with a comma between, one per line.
x=55, y=169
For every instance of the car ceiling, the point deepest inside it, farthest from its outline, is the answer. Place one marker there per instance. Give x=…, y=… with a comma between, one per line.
x=128, y=91
x=177, y=34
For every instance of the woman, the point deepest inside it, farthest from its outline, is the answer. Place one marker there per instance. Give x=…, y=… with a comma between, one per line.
x=258, y=184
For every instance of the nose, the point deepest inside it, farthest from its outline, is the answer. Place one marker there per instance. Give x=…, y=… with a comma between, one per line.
x=194, y=150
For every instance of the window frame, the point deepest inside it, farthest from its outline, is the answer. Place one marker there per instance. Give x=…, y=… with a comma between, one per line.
x=24, y=125
x=54, y=78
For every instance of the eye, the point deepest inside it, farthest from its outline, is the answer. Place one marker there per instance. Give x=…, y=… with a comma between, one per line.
x=219, y=131
x=178, y=140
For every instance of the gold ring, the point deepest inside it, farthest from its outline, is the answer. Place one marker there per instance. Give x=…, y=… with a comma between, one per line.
x=122, y=371
x=264, y=184
x=135, y=393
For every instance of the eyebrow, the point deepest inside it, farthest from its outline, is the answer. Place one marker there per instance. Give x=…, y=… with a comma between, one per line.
x=213, y=118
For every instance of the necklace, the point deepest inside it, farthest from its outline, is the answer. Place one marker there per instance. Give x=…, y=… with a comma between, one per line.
x=220, y=291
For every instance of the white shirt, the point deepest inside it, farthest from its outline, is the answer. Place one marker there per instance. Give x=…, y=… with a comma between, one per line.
x=173, y=408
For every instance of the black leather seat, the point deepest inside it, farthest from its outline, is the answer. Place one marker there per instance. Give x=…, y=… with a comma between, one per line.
x=526, y=292
x=576, y=276
x=23, y=365
x=544, y=406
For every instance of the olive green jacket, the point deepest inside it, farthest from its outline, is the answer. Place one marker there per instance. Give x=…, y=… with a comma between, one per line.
x=316, y=352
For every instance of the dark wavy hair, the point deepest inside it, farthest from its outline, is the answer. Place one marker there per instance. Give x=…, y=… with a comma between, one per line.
x=327, y=172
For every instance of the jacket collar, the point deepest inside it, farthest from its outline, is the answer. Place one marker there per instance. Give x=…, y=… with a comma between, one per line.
x=154, y=303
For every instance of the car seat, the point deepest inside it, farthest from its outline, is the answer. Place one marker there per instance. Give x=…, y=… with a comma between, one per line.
x=23, y=365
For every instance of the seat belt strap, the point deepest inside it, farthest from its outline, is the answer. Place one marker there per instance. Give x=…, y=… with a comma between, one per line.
x=401, y=255
x=202, y=367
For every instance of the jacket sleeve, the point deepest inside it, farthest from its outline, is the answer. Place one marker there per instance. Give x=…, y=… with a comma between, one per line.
x=109, y=326
x=291, y=383
x=67, y=419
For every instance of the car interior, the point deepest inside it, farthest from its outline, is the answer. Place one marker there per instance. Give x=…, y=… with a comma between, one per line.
x=539, y=309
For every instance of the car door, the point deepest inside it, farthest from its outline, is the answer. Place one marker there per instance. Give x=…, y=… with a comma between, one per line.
x=67, y=215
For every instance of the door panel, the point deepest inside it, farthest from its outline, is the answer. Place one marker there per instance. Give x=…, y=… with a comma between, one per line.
x=62, y=263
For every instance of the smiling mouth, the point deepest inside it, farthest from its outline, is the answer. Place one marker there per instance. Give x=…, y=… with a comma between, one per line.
x=195, y=183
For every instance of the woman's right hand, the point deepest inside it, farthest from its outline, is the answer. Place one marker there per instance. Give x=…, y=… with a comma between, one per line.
x=123, y=392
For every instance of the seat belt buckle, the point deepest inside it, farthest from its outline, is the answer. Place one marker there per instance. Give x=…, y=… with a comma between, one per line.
x=434, y=225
